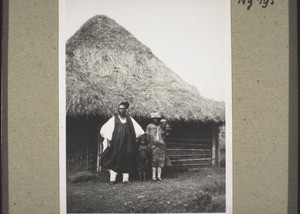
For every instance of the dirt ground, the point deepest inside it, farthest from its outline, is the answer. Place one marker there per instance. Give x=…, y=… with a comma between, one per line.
x=198, y=190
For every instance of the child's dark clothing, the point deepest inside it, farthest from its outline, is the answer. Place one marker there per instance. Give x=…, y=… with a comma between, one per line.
x=143, y=157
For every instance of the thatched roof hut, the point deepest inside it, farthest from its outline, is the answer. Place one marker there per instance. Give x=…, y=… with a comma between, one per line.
x=106, y=64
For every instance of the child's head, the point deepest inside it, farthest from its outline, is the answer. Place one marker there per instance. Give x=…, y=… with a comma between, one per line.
x=163, y=123
x=143, y=140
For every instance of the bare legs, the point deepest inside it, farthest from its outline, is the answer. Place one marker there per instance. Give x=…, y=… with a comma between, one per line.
x=142, y=175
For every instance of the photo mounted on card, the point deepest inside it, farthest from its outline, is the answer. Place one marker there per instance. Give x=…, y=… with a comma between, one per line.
x=145, y=106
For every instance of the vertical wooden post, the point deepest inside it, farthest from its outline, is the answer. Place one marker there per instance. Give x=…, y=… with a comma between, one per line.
x=99, y=151
x=218, y=145
x=215, y=147
x=98, y=156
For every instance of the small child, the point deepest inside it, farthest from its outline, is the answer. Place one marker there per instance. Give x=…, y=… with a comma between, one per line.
x=143, y=157
x=166, y=128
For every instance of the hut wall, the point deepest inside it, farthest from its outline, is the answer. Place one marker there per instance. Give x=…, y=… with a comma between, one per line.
x=222, y=146
x=215, y=147
x=191, y=145
x=188, y=145
x=82, y=136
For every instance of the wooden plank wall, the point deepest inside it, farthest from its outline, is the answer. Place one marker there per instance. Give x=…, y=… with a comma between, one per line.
x=188, y=145
x=185, y=152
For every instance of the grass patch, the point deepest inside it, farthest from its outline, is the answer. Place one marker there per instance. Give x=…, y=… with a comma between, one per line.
x=201, y=190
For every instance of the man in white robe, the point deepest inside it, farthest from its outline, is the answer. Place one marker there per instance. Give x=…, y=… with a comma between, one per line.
x=120, y=133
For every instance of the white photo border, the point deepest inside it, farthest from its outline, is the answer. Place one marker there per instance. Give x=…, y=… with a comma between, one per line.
x=62, y=111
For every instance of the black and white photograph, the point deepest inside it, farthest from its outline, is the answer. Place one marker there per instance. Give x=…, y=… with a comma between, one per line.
x=145, y=106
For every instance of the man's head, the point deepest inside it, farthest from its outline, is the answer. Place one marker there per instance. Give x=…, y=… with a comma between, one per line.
x=123, y=108
x=156, y=117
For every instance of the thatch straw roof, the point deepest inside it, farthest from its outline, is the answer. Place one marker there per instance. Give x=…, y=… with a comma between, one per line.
x=105, y=65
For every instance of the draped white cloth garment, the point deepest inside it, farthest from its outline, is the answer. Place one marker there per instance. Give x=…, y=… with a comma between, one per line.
x=108, y=128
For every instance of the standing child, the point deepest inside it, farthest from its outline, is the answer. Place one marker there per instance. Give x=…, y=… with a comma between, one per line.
x=142, y=157
x=158, y=149
x=166, y=128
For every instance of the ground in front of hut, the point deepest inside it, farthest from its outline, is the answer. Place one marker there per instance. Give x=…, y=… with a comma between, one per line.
x=199, y=190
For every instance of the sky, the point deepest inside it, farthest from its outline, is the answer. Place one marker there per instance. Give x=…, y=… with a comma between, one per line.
x=189, y=36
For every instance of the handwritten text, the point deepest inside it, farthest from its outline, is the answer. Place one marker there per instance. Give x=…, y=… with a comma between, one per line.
x=263, y=3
